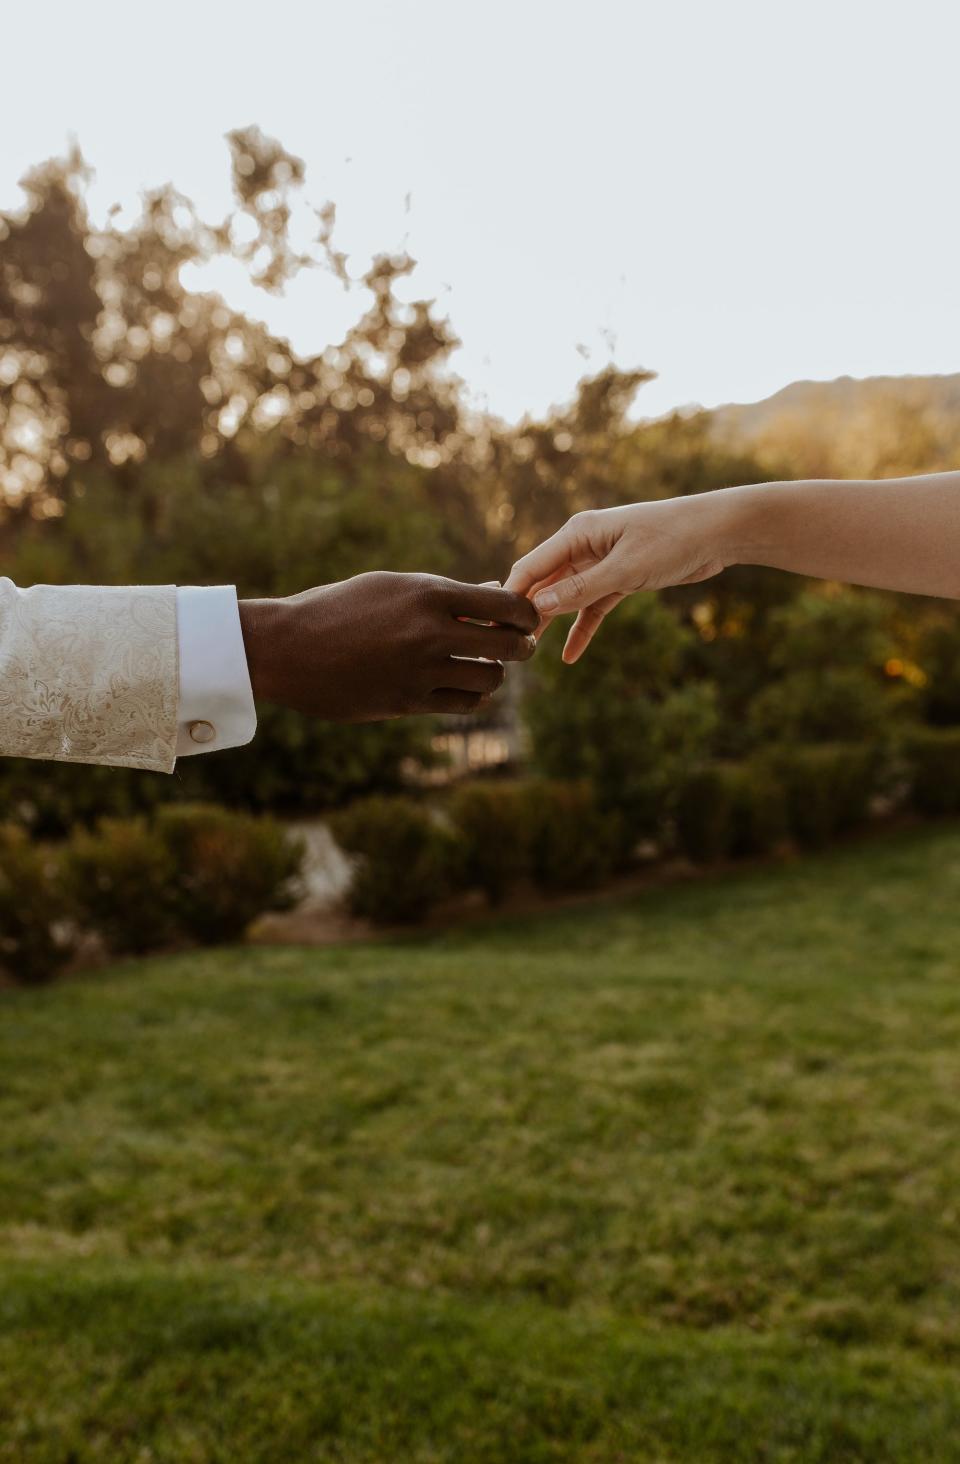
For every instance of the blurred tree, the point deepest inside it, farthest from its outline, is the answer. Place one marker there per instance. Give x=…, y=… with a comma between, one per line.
x=106, y=358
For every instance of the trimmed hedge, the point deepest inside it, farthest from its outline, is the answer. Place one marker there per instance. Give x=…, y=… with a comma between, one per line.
x=495, y=826
x=932, y=756
x=405, y=860
x=120, y=878
x=229, y=869
x=498, y=835
x=730, y=810
x=575, y=844
x=203, y=873
x=35, y=939
x=552, y=832
x=704, y=813
x=196, y=872
x=758, y=816
x=827, y=788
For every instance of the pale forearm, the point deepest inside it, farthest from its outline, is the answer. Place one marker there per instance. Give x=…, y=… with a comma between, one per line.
x=893, y=534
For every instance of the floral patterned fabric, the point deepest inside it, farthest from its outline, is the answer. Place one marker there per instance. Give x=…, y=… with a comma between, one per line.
x=89, y=674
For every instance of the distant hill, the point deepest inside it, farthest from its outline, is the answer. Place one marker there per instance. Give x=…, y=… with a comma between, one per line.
x=847, y=395
x=882, y=424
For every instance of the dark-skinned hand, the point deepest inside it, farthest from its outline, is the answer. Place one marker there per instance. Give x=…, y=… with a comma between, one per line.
x=385, y=645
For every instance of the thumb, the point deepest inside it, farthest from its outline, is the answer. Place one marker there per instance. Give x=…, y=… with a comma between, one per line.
x=578, y=591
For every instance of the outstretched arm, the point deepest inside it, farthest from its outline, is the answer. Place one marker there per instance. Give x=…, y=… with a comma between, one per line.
x=894, y=534
x=135, y=676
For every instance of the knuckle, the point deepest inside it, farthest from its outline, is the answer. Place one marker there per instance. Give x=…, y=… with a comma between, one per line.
x=578, y=585
x=380, y=579
x=419, y=588
x=438, y=590
x=429, y=610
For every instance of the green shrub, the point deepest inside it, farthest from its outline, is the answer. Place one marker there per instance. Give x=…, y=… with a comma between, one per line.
x=625, y=719
x=494, y=822
x=704, y=812
x=34, y=939
x=574, y=842
x=730, y=809
x=827, y=788
x=198, y=872
x=933, y=759
x=120, y=878
x=228, y=868
x=758, y=815
x=552, y=831
x=834, y=703
x=405, y=860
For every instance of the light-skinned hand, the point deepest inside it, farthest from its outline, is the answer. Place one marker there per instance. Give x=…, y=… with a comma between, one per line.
x=603, y=555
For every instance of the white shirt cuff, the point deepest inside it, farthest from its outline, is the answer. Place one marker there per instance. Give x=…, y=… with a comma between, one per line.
x=216, y=707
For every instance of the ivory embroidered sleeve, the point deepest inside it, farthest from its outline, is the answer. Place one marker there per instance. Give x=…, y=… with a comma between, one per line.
x=89, y=674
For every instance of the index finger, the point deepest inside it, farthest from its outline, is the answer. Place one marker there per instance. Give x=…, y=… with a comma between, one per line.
x=540, y=563
x=480, y=602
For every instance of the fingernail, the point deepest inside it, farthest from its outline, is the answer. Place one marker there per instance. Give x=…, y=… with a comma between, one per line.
x=546, y=600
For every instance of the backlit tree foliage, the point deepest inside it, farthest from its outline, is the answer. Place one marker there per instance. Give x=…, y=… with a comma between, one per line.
x=106, y=358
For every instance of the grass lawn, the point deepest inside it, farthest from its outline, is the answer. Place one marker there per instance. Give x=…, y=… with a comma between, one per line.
x=676, y=1178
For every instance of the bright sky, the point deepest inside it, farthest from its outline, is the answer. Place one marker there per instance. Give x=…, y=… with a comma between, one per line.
x=734, y=193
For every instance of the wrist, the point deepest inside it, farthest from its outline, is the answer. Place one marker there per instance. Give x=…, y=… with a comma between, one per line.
x=749, y=521
x=260, y=624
